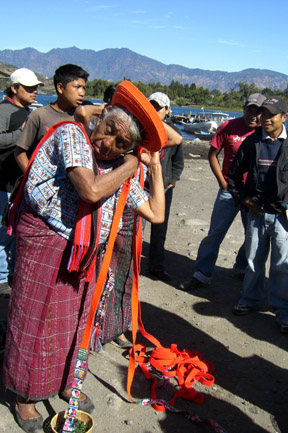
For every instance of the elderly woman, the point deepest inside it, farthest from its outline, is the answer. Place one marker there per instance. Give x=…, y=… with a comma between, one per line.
x=50, y=302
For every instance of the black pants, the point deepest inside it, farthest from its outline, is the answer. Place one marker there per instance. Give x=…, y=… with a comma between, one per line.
x=158, y=237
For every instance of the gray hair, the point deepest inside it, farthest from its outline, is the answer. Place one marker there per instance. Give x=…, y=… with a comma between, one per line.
x=135, y=128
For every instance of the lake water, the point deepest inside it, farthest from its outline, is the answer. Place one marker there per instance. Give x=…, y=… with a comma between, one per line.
x=46, y=99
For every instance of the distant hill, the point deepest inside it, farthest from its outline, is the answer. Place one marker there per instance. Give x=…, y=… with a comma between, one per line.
x=7, y=69
x=115, y=64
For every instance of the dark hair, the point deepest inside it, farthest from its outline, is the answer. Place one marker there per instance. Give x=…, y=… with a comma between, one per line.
x=8, y=90
x=109, y=92
x=67, y=73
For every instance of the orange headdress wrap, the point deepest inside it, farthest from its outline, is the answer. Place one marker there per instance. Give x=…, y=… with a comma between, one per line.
x=128, y=96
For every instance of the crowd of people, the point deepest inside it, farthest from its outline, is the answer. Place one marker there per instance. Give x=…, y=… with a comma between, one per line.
x=253, y=180
x=77, y=161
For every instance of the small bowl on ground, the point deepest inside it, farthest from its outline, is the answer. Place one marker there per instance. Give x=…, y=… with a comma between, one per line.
x=82, y=416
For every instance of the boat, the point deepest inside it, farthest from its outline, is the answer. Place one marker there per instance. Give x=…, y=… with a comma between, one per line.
x=205, y=136
x=208, y=126
x=35, y=105
x=206, y=122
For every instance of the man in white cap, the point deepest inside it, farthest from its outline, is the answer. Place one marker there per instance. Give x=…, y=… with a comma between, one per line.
x=21, y=92
x=172, y=162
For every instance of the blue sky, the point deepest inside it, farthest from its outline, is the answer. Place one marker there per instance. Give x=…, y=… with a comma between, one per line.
x=207, y=34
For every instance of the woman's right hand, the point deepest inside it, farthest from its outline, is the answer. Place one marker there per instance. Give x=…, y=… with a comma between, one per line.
x=131, y=162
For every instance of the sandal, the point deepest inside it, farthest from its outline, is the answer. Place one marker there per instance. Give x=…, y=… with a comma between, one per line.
x=84, y=405
x=122, y=344
x=31, y=425
x=242, y=309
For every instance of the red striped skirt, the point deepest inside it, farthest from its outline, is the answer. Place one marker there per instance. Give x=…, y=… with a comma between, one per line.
x=48, y=312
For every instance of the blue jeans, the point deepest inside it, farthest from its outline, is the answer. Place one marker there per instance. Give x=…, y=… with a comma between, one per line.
x=265, y=232
x=158, y=237
x=7, y=245
x=223, y=214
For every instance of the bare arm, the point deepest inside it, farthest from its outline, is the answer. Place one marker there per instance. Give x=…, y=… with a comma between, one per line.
x=153, y=210
x=83, y=113
x=92, y=188
x=21, y=157
x=174, y=139
x=26, y=140
x=216, y=168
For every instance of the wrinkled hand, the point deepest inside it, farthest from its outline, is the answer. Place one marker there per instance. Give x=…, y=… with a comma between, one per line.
x=131, y=162
x=149, y=158
x=253, y=207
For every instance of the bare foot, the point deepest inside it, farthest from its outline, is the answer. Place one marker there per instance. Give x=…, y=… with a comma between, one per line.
x=67, y=394
x=26, y=409
x=123, y=338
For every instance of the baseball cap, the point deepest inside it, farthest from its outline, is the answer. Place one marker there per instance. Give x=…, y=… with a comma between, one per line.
x=275, y=105
x=161, y=99
x=25, y=77
x=255, y=99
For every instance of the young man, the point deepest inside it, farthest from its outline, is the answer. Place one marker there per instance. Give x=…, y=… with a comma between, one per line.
x=70, y=82
x=229, y=137
x=172, y=162
x=14, y=111
x=264, y=155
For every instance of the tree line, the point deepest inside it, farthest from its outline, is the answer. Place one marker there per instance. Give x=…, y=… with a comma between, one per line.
x=189, y=95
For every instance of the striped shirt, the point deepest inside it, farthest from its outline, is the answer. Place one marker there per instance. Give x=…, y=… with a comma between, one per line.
x=267, y=162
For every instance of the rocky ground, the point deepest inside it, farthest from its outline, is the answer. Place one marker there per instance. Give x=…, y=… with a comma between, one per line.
x=249, y=353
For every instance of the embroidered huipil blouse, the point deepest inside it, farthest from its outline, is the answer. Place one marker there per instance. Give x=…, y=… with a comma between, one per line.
x=50, y=193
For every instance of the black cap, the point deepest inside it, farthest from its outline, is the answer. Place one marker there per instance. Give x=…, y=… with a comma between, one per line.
x=255, y=99
x=275, y=105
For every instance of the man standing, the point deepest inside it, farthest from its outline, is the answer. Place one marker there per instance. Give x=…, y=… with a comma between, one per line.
x=229, y=137
x=264, y=155
x=70, y=82
x=14, y=111
x=172, y=162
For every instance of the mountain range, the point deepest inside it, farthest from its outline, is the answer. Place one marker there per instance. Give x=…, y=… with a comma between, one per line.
x=116, y=64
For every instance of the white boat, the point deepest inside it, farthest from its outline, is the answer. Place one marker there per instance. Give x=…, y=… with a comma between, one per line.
x=206, y=122
x=208, y=126
x=35, y=105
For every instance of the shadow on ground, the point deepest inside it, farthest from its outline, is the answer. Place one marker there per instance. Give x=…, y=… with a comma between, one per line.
x=254, y=379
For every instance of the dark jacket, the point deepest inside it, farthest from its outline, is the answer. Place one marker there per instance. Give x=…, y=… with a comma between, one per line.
x=246, y=160
x=172, y=160
x=11, y=119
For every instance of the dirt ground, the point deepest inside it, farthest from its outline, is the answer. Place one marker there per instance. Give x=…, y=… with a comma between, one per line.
x=249, y=353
